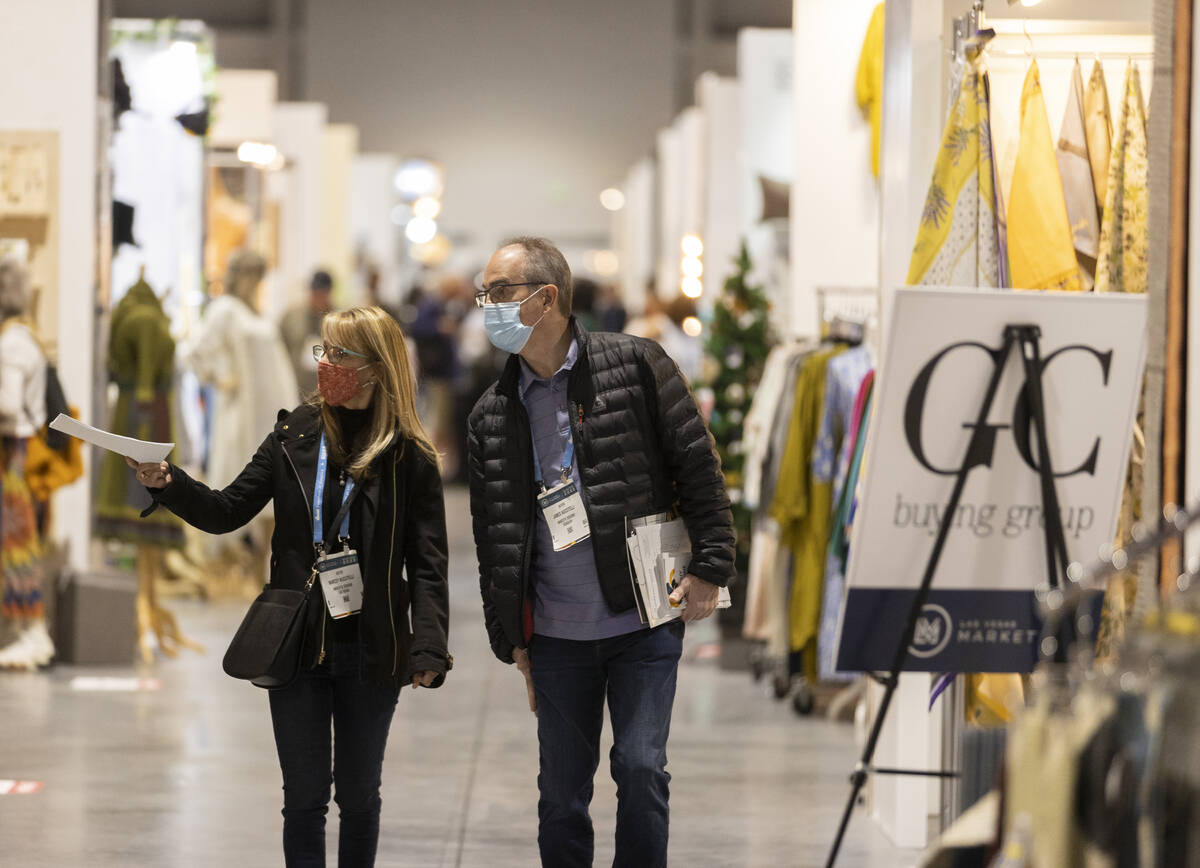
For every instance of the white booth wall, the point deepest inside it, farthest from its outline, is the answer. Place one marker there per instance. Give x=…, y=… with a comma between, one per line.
x=635, y=233
x=373, y=234
x=680, y=194
x=339, y=145
x=720, y=100
x=56, y=91
x=299, y=189
x=767, y=150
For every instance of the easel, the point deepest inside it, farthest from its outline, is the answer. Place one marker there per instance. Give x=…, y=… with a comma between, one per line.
x=1027, y=338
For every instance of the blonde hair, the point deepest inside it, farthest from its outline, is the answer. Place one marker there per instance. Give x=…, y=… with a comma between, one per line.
x=373, y=332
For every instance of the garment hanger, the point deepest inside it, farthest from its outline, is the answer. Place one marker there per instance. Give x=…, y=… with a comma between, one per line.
x=1028, y=39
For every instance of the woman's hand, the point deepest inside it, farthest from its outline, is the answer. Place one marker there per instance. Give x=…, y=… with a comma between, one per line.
x=423, y=679
x=154, y=474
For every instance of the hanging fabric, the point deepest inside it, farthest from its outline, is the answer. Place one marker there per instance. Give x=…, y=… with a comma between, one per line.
x=1124, y=237
x=868, y=83
x=1041, y=253
x=1078, y=187
x=957, y=242
x=1098, y=120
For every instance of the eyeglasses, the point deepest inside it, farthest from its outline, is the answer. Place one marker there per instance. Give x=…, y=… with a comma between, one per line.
x=499, y=293
x=334, y=355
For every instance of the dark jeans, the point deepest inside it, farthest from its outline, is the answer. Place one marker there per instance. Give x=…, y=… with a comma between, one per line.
x=636, y=673
x=361, y=715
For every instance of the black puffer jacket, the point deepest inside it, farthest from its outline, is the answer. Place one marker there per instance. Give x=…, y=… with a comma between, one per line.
x=403, y=522
x=641, y=446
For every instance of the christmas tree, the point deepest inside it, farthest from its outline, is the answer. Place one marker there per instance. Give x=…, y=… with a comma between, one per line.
x=736, y=348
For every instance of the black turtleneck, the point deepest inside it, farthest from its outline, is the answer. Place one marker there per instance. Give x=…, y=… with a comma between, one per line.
x=352, y=423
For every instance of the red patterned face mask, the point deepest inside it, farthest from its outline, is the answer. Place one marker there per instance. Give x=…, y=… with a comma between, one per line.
x=336, y=384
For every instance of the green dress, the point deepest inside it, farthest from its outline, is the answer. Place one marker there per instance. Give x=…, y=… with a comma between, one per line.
x=141, y=361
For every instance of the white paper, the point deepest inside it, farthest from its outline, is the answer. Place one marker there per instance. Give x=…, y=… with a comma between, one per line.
x=142, y=451
x=658, y=547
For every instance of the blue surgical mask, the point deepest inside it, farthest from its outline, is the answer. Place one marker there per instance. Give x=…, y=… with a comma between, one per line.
x=504, y=326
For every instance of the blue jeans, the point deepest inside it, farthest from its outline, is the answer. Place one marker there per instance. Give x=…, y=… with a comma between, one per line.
x=636, y=673
x=361, y=715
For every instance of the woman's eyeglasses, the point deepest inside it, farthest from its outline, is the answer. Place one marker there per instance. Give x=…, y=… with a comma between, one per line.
x=334, y=355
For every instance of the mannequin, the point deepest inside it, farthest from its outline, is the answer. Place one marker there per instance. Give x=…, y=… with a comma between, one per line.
x=27, y=643
x=141, y=360
x=242, y=354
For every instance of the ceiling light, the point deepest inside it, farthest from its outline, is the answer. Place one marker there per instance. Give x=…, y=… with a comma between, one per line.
x=420, y=230
x=257, y=153
x=692, y=267
x=692, y=245
x=427, y=206
x=692, y=327
x=612, y=199
x=417, y=178
x=691, y=287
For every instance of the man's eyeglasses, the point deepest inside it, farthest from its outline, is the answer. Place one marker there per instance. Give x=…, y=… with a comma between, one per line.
x=334, y=355
x=501, y=292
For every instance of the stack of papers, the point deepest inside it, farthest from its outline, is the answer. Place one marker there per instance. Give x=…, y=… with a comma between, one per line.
x=660, y=551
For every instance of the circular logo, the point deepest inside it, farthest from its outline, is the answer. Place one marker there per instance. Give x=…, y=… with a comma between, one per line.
x=932, y=634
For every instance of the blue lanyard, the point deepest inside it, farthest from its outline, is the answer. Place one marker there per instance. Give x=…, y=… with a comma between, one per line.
x=568, y=457
x=319, y=500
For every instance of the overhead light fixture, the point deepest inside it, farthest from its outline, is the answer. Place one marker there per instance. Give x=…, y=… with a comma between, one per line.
x=692, y=327
x=1025, y=3
x=420, y=230
x=418, y=177
x=427, y=206
x=612, y=199
x=692, y=267
x=258, y=154
x=691, y=287
x=692, y=245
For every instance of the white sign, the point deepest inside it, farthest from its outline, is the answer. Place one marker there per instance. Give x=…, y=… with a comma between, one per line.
x=981, y=615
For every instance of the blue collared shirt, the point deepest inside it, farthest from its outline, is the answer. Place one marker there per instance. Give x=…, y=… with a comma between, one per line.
x=568, y=601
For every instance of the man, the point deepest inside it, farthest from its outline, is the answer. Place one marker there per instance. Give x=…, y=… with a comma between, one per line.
x=608, y=419
x=301, y=330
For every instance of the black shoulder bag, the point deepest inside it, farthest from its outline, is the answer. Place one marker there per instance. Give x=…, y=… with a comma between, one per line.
x=267, y=647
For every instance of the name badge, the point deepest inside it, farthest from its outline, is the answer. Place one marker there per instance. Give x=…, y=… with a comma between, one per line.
x=563, y=508
x=342, y=583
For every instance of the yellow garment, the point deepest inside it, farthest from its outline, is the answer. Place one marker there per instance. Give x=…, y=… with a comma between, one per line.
x=1124, y=231
x=47, y=470
x=1098, y=119
x=991, y=698
x=1041, y=250
x=803, y=508
x=957, y=243
x=868, y=83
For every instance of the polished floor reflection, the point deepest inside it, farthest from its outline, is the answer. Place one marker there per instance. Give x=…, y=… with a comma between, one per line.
x=184, y=773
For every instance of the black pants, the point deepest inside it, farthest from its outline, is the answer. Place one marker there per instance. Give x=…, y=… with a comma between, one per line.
x=361, y=715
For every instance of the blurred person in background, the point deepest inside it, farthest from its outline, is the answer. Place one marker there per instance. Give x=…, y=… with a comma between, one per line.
x=435, y=331
x=301, y=328
x=610, y=311
x=586, y=295
x=239, y=353
x=659, y=323
x=27, y=643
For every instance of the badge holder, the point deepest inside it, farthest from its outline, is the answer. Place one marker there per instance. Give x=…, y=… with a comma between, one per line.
x=341, y=577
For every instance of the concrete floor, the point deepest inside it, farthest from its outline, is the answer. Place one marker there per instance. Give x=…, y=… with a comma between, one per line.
x=185, y=775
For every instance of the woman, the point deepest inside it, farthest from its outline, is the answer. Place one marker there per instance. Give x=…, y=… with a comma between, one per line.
x=378, y=460
x=22, y=414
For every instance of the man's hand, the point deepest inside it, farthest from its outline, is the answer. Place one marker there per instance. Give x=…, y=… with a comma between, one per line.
x=521, y=658
x=700, y=595
x=423, y=679
x=154, y=474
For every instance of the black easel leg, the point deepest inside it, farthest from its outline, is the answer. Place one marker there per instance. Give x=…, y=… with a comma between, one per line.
x=979, y=436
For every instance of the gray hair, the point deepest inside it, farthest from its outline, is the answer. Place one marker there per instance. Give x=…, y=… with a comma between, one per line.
x=14, y=288
x=545, y=262
x=244, y=273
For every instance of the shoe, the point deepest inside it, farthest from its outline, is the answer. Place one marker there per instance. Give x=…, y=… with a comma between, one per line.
x=41, y=645
x=19, y=656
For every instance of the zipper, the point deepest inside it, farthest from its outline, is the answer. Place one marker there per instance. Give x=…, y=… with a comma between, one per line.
x=312, y=578
x=529, y=523
x=577, y=433
x=392, y=551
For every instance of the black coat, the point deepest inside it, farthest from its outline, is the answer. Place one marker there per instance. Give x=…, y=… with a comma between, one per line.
x=403, y=521
x=641, y=447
